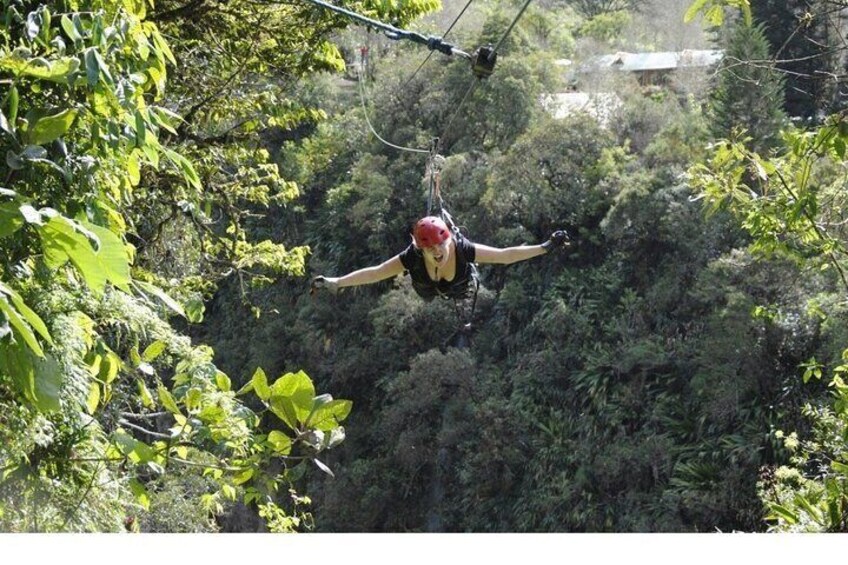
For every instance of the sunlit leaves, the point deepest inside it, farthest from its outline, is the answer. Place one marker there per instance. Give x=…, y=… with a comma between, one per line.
x=713, y=10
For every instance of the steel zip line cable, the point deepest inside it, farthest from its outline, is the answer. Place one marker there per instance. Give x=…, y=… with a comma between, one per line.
x=430, y=54
x=512, y=25
x=432, y=43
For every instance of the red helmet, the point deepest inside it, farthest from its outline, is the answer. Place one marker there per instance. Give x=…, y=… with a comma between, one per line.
x=430, y=231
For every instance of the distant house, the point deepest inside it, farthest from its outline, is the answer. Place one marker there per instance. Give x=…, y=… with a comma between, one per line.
x=653, y=68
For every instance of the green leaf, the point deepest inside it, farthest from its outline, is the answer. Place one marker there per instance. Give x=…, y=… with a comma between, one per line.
x=140, y=129
x=153, y=351
x=13, y=106
x=299, y=390
x=812, y=511
x=143, y=392
x=70, y=29
x=168, y=401
x=93, y=399
x=109, y=367
x=10, y=218
x=61, y=241
x=113, y=256
x=31, y=317
x=243, y=477
x=48, y=384
x=92, y=68
x=103, y=67
x=284, y=410
x=194, y=309
x=260, y=384
x=162, y=47
x=133, y=169
x=140, y=493
x=189, y=173
x=165, y=118
x=17, y=362
x=20, y=327
x=49, y=128
x=161, y=295
x=785, y=513
x=839, y=467
x=280, y=443
x=330, y=415
x=715, y=15
x=223, y=382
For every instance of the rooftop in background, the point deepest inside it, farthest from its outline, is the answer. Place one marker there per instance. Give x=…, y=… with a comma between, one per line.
x=664, y=60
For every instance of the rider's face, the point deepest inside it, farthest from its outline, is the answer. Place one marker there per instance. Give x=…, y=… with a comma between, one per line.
x=439, y=253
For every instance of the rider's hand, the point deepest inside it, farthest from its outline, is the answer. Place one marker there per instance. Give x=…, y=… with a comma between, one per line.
x=329, y=283
x=558, y=239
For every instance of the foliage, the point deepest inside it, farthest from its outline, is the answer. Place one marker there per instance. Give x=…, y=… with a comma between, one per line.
x=107, y=397
x=791, y=205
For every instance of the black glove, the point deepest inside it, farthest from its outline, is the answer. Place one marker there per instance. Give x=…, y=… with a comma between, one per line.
x=329, y=283
x=558, y=239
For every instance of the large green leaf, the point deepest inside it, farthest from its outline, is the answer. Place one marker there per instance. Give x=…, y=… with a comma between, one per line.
x=113, y=256
x=62, y=241
x=298, y=390
x=168, y=401
x=49, y=128
x=70, y=29
x=140, y=493
x=284, y=410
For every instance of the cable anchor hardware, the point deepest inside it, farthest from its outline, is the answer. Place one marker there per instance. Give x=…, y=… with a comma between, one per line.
x=484, y=61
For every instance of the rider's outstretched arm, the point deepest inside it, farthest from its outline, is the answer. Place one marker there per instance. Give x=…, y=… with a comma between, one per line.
x=368, y=275
x=507, y=255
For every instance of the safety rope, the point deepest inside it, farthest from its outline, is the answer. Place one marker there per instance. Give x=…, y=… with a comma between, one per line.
x=368, y=121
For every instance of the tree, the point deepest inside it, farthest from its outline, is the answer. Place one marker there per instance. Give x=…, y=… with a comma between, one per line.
x=749, y=94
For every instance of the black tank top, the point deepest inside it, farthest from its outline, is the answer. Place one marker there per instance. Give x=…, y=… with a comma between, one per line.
x=463, y=281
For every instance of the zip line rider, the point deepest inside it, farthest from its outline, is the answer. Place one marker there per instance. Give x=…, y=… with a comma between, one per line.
x=441, y=261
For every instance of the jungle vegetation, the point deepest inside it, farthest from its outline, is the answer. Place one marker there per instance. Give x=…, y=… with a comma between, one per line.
x=176, y=171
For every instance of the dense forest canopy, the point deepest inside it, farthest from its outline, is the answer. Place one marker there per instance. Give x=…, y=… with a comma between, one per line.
x=176, y=171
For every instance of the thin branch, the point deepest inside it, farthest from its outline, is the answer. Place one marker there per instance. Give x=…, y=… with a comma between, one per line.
x=144, y=430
